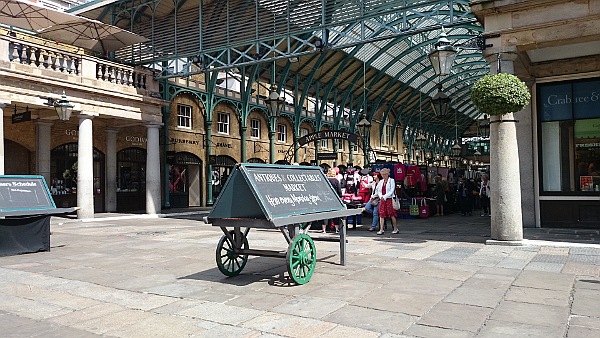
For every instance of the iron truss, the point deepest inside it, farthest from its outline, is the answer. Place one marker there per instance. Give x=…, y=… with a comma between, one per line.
x=366, y=56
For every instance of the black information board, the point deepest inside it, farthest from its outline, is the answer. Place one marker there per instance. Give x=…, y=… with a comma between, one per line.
x=291, y=190
x=24, y=193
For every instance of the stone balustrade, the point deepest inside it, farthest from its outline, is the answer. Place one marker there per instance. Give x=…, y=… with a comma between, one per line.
x=69, y=60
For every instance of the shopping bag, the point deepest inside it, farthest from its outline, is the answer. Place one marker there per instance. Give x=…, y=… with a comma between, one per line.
x=396, y=203
x=414, y=208
x=423, y=209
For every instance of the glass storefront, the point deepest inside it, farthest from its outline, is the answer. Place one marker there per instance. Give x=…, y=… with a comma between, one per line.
x=569, y=114
x=131, y=179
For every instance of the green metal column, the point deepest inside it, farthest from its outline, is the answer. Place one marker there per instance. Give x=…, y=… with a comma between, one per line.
x=209, y=191
x=243, y=135
x=272, y=126
x=166, y=114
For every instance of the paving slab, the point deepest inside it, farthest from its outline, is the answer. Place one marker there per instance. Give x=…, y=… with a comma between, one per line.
x=538, y=296
x=310, y=306
x=159, y=326
x=371, y=319
x=389, y=299
x=582, y=332
x=288, y=326
x=436, y=332
x=501, y=329
x=220, y=313
x=533, y=314
x=586, y=302
x=545, y=280
x=456, y=316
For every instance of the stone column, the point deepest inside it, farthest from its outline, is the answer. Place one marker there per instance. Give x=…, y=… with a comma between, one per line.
x=3, y=103
x=505, y=187
x=43, y=129
x=153, y=169
x=85, y=167
x=110, y=189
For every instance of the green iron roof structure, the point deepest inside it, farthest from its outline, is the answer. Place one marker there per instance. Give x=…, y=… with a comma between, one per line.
x=355, y=57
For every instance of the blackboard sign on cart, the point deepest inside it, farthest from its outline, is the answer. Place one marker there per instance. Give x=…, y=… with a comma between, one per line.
x=275, y=196
x=25, y=209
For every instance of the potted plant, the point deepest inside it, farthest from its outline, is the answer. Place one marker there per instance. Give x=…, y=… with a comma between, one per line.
x=499, y=94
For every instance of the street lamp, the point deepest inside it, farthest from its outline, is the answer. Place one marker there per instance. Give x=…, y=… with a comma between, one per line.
x=440, y=103
x=443, y=55
x=274, y=104
x=484, y=128
x=456, y=149
x=364, y=126
x=420, y=141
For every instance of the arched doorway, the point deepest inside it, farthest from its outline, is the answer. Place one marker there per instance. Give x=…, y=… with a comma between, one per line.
x=221, y=170
x=131, y=179
x=19, y=159
x=63, y=176
x=184, y=181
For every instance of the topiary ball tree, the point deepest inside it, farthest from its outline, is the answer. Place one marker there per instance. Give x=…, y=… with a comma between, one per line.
x=500, y=94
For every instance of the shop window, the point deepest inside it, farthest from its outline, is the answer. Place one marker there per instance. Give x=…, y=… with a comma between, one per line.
x=281, y=133
x=223, y=123
x=184, y=116
x=254, y=128
x=324, y=144
x=131, y=174
x=570, y=136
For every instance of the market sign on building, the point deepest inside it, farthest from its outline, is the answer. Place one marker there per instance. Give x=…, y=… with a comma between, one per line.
x=570, y=100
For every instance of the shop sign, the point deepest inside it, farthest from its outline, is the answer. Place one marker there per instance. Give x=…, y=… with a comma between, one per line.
x=72, y=132
x=21, y=117
x=136, y=140
x=565, y=101
x=327, y=156
x=223, y=145
x=174, y=140
x=279, y=151
x=171, y=157
x=328, y=134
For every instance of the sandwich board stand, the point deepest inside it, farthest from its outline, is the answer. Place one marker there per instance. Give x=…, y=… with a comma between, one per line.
x=25, y=210
x=281, y=197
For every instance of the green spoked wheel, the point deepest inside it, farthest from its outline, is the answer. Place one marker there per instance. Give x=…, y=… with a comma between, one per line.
x=301, y=258
x=229, y=263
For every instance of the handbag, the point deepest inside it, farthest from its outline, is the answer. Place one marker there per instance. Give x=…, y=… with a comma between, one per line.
x=424, y=209
x=374, y=201
x=396, y=203
x=414, y=208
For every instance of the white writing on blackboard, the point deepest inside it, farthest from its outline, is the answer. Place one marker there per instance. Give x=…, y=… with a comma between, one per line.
x=18, y=184
x=294, y=187
x=303, y=178
x=20, y=190
x=267, y=178
x=293, y=199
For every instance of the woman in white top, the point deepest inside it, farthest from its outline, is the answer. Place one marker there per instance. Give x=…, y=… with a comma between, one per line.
x=385, y=192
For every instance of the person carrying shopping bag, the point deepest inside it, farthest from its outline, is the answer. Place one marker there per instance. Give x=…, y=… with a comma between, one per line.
x=385, y=191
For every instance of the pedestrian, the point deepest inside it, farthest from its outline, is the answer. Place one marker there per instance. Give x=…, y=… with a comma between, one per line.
x=372, y=206
x=484, y=195
x=385, y=192
x=332, y=176
x=440, y=195
x=464, y=197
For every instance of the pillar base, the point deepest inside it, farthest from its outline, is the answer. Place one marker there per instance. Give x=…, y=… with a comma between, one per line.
x=505, y=243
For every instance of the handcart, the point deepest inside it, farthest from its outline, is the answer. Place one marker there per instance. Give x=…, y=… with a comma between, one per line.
x=283, y=197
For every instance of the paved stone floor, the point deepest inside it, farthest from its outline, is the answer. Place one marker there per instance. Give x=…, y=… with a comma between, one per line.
x=157, y=277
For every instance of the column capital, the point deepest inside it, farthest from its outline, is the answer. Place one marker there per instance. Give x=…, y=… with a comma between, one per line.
x=507, y=53
x=83, y=115
x=154, y=125
x=4, y=103
x=111, y=130
x=43, y=122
